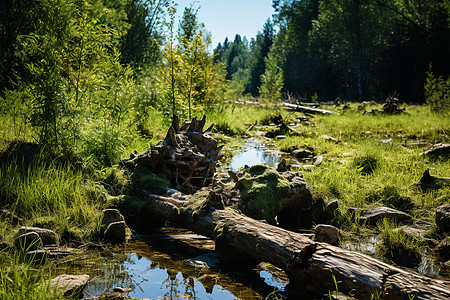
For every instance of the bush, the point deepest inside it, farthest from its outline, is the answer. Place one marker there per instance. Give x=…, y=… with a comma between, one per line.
x=437, y=93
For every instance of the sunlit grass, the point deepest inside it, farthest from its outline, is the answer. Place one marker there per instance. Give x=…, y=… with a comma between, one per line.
x=52, y=196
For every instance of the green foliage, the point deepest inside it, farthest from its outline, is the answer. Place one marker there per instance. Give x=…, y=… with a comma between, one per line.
x=366, y=164
x=437, y=93
x=188, y=75
x=143, y=179
x=23, y=281
x=271, y=80
x=341, y=49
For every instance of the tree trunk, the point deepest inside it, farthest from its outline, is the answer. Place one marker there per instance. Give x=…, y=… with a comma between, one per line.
x=309, y=264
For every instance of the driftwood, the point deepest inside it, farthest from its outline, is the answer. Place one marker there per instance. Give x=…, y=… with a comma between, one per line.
x=310, y=265
x=306, y=109
x=187, y=156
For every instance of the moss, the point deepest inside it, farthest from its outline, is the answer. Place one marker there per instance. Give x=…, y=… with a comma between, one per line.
x=262, y=189
x=197, y=202
x=144, y=179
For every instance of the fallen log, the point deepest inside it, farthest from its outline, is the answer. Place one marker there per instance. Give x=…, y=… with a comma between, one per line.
x=306, y=109
x=309, y=264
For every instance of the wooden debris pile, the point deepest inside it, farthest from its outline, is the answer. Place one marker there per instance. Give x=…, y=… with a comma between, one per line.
x=187, y=157
x=391, y=105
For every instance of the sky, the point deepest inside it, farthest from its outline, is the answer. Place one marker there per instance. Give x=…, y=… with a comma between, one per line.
x=226, y=18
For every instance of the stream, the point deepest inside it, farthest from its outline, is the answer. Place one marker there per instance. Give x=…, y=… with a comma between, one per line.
x=154, y=266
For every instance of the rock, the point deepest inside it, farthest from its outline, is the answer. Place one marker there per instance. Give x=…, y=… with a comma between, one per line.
x=265, y=193
x=10, y=217
x=330, y=139
x=115, y=232
x=113, y=296
x=48, y=237
x=443, y=218
x=37, y=257
x=28, y=241
x=375, y=214
x=110, y=216
x=205, y=261
x=438, y=151
x=70, y=285
x=318, y=160
x=282, y=166
x=327, y=234
x=302, y=154
x=431, y=182
x=332, y=206
x=419, y=230
x=122, y=290
x=444, y=249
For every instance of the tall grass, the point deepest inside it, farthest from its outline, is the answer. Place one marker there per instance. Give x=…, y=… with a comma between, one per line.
x=51, y=195
x=23, y=281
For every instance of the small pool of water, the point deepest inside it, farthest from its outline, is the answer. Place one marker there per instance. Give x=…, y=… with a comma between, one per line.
x=253, y=152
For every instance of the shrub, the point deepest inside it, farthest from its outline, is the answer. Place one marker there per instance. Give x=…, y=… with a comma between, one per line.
x=437, y=92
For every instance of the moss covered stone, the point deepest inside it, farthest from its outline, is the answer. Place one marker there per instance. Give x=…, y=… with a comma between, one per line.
x=266, y=192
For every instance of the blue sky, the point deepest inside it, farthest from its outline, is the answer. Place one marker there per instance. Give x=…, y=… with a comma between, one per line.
x=225, y=18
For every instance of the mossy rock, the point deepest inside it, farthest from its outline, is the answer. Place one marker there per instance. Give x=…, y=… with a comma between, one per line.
x=144, y=179
x=266, y=192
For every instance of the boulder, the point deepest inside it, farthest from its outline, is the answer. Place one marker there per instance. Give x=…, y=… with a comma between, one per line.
x=438, y=151
x=444, y=249
x=443, y=218
x=115, y=232
x=332, y=206
x=48, y=237
x=28, y=241
x=110, y=216
x=265, y=193
x=420, y=229
x=373, y=215
x=36, y=257
x=326, y=234
x=302, y=154
x=70, y=285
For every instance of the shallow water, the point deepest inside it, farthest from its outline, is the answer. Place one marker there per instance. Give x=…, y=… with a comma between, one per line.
x=253, y=152
x=428, y=266
x=154, y=267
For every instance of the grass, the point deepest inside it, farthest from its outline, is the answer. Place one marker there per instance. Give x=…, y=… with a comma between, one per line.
x=376, y=161
x=398, y=246
x=53, y=196
x=371, y=156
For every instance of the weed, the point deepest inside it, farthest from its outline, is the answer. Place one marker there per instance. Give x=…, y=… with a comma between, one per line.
x=398, y=246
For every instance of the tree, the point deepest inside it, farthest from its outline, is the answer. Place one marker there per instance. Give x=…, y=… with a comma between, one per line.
x=272, y=79
x=258, y=53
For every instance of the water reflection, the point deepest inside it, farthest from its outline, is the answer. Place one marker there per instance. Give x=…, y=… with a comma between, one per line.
x=254, y=152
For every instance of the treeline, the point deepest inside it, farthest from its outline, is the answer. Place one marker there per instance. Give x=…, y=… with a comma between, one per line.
x=87, y=74
x=351, y=49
